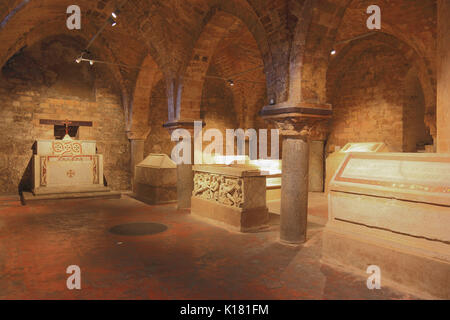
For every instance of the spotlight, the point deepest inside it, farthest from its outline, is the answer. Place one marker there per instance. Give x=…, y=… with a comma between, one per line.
x=112, y=21
x=333, y=52
x=114, y=15
x=91, y=62
x=231, y=83
x=78, y=60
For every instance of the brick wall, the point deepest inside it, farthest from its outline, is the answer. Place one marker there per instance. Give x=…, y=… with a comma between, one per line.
x=217, y=107
x=43, y=82
x=218, y=110
x=375, y=99
x=158, y=140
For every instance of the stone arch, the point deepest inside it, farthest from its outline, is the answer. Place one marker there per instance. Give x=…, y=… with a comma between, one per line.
x=315, y=36
x=353, y=48
x=216, y=25
x=378, y=90
x=44, y=81
x=244, y=12
x=313, y=39
x=42, y=21
x=39, y=31
x=9, y=9
x=37, y=35
x=416, y=135
x=148, y=76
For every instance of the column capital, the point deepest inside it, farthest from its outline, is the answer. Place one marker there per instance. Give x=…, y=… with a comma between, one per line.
x=300, y=120
x=138, y=134
x=187, y=124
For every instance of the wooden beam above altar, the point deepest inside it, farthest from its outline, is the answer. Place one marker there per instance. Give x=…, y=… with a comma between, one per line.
x=64, y=122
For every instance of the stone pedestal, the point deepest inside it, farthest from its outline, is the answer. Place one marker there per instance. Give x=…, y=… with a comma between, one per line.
x=296, y=124
x=443, y=77
x=185, y=185
x=233, y=196
x=185, y=176
x=155, y=180
x=392, y=210
x=137, y=152
x=316, y=166
x=137, y=155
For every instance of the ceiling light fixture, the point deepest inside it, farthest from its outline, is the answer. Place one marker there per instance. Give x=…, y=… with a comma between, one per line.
x=112, y=21
x=109, y=21
x=333, y=52
x=231, y=83
x=91, y=62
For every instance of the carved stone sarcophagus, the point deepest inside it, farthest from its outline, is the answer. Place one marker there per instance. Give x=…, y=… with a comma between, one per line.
x=234, y=196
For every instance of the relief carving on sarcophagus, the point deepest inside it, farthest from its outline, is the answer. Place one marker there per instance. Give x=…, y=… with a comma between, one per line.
x=232, y=195
x=222, y=189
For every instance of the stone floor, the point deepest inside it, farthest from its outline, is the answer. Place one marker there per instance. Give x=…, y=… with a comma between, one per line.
x=190, y=260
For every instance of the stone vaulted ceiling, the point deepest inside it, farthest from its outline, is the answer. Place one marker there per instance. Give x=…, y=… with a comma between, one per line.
x=292, y=38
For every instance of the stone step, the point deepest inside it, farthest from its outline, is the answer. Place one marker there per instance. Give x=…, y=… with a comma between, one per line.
x=10, y=200
x=30, y=198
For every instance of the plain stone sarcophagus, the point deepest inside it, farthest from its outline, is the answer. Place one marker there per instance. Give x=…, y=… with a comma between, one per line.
x=155, y=180
x=393, y=210
x=335, y=159
x=233, y=196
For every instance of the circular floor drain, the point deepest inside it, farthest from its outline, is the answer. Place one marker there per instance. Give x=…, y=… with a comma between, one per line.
x=138, y=229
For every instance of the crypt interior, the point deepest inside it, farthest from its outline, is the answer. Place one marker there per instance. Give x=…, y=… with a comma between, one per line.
x=87, y=176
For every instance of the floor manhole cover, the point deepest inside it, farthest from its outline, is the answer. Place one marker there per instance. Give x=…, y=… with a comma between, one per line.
x=138, y=229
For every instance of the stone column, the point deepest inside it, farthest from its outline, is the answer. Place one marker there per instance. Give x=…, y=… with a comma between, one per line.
x=185, y=185
x=318, y=137
x=294, y=189
x=443, y=77
x=316, y=165
x=296, y=123
x=137, y=152
x=185, y=175
x=137, y=142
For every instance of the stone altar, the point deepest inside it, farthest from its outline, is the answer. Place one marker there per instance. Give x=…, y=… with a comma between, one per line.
x=233, y=196
x=155, y=180
x=393, y=210
x=66, y=169
x=334, y=160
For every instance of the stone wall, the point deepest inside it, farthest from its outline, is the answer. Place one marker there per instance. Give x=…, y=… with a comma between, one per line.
x=158, y=140
x=377, y=99
x=218, y=110
x=44, y=82
x=415, y=133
